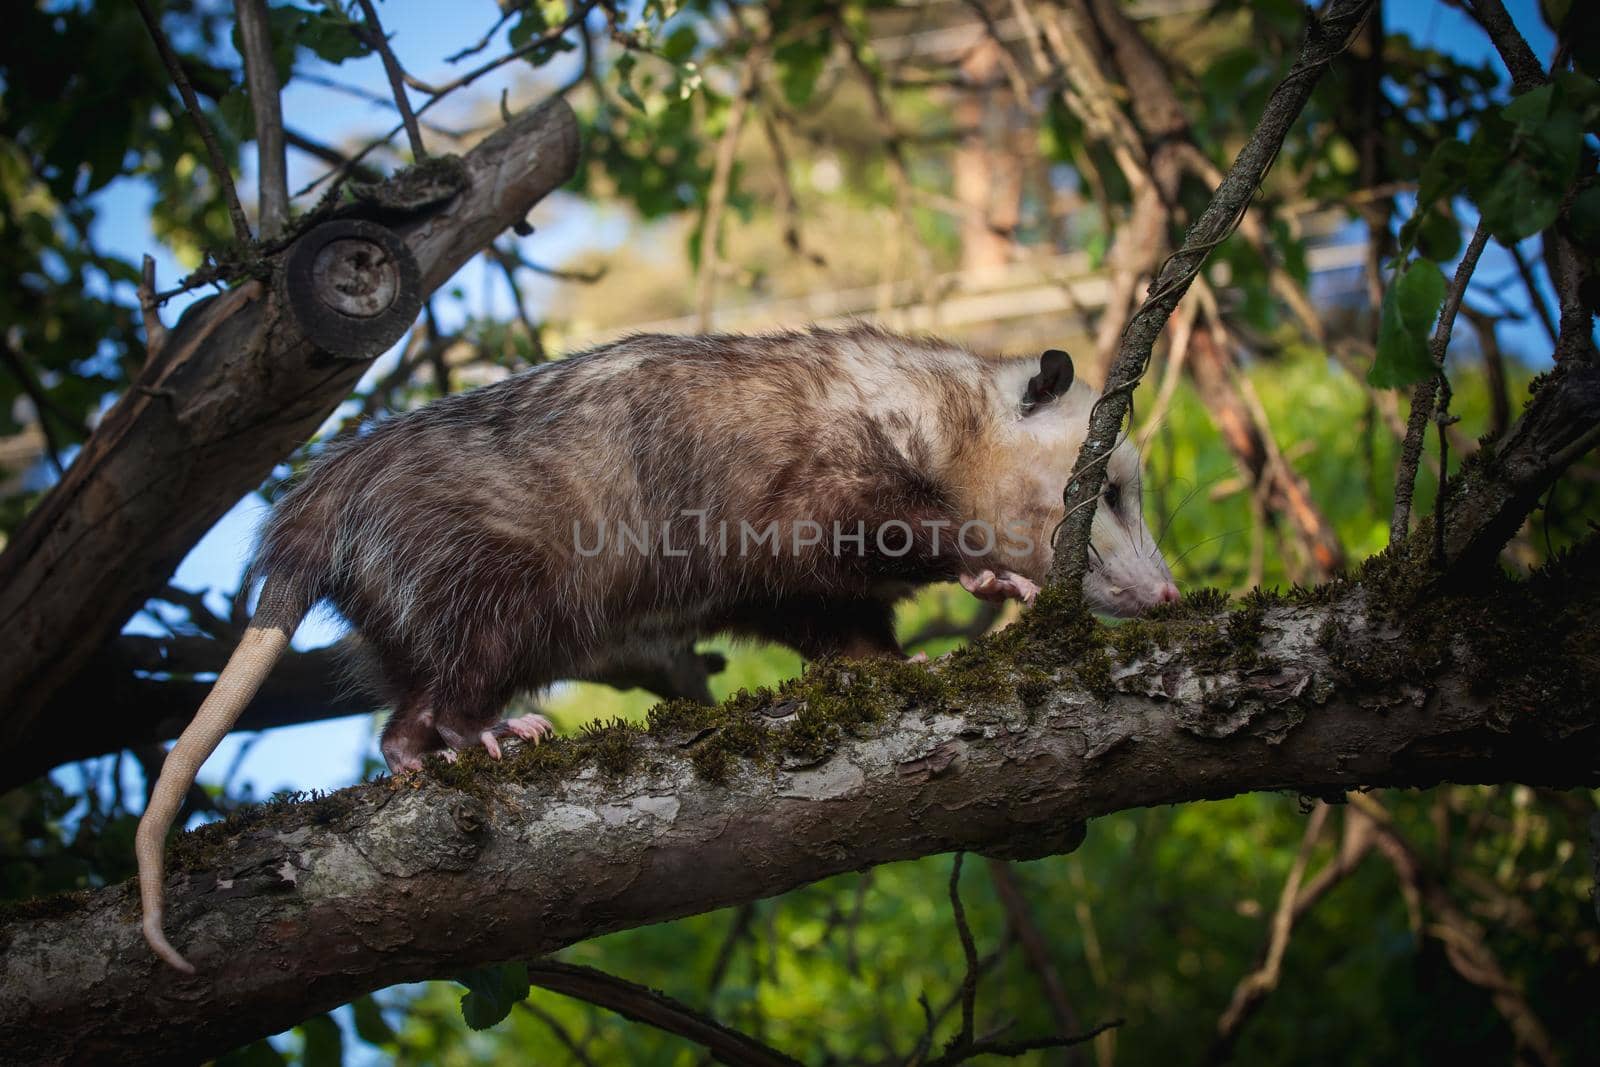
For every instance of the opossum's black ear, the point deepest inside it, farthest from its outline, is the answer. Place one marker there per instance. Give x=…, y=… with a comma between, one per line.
x=1053, y=379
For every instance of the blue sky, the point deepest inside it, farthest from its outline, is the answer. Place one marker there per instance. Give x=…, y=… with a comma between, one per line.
x=330, y=754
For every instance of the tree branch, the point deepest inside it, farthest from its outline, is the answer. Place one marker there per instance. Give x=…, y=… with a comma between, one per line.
x=373, y=31
x=405, y=879
x=261, y=74
x=654, y=1008
x=1526, y=70
x=235, y=391
x=1425, y=391
x=219, y=163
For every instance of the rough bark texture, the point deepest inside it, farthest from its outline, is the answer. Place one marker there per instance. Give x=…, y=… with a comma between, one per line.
x=1004, y=749
x=235, y=390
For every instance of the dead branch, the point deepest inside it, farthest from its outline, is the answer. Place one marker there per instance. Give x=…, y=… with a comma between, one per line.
x=261, y=75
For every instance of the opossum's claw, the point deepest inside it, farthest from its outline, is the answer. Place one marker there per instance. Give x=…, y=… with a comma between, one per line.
x=531, y=727
x=490, y=744
x=920, y=657
x=403, y=763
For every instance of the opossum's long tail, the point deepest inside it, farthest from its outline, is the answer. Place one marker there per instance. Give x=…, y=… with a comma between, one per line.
x=278, y=614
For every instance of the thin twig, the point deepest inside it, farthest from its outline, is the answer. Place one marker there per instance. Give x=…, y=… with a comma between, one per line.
x=969, y=949
x=1021, y=919
x=561, y=1033
x=1424, y=393
x=43, y=407
x=788, y=205
x=219, y=163
x=255, y=37
x=383, y=100
x=721, y=177
x=373, y=32
x=329, y=155
x=509, y=263
x=1327, y=35
x=1546, y=317
x=155, y=333
x=644, y=1005
x=483, y=42
x=1494, y=366
x=1254, y=987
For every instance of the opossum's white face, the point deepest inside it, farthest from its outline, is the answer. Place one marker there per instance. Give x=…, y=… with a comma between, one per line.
x=1127, y=573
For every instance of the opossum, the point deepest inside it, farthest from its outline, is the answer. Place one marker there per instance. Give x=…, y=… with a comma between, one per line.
x=789, y=487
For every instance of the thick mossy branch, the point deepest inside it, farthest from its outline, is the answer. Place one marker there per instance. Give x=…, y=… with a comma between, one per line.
x=1387, y=678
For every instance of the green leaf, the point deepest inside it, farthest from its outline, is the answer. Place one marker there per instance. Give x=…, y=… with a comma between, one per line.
x=1409, y=308
x=530, y=25
x=324, y=1042
x=680, y=44
x=1443, y=174
x=492, y=992
x=1439, y=237
x=371, y=1026
x=800, y=64
x=332, y=37
x=1584, y=219
x=625, y=64
x=1517, y=204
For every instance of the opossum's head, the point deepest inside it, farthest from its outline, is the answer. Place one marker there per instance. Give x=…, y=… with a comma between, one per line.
x=1047, y=424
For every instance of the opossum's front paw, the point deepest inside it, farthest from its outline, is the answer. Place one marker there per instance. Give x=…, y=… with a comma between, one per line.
x=530, y=727
x=1002, y=585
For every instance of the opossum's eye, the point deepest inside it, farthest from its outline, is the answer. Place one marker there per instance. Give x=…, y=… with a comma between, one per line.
x=1113, y=495
x=1053, y=379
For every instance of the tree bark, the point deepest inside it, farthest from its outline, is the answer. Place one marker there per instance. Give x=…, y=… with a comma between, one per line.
x=296, y=908
x=235, y=390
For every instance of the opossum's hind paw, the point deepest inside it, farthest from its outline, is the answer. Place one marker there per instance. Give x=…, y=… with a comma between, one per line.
x=490, y=745
x=1002, y=585
x=531, y=727
x=402, y=758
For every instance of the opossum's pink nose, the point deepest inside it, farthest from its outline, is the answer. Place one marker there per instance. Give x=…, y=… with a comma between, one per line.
x=1169, y=594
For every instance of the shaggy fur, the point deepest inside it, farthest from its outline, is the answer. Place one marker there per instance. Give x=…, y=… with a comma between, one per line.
x=454, y=537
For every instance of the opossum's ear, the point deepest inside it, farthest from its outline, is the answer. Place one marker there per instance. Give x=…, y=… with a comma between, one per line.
x=1053, y=379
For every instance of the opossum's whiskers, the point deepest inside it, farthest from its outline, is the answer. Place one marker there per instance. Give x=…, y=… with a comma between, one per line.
x=1166, y=523
x=1207, y=541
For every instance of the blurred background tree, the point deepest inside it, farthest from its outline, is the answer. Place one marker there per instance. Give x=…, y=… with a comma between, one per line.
x=1006, y=173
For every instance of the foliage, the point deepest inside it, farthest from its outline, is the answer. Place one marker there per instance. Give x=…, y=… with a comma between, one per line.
x=842, y=179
